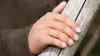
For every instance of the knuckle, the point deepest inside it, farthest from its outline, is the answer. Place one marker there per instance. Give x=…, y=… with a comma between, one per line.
x=60, y=18
x=64, y=37
x=73, y=34
x=74, y=25
x=69, y=31
x=54, y=33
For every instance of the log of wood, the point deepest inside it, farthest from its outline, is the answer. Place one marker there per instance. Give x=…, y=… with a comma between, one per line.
x=81, y=11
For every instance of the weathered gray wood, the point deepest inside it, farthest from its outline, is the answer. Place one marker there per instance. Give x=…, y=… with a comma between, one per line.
x=84, y=19
x=82, y=11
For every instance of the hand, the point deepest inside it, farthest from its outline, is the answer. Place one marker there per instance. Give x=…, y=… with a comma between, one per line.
x=53, y=29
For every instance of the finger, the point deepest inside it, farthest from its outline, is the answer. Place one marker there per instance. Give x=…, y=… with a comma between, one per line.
x=60, y=35
x=64, y=28
x=66, y=20
x=56, y=42
x=69, y=22
x=60, y=7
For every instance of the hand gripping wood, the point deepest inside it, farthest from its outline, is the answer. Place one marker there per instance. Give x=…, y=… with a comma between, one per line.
x=81, y=11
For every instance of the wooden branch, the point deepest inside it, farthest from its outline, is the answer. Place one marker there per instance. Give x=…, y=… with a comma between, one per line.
x=82, y=11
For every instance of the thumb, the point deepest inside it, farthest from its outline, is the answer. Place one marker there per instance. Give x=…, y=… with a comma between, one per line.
x=60, y=7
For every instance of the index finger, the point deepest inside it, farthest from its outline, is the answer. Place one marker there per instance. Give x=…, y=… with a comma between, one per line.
x=69, y=22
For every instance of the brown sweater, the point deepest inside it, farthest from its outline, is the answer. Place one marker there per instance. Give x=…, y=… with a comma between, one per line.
x=16, y=16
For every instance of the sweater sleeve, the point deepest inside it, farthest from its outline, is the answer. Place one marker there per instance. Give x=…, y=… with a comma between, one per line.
x=14, y=42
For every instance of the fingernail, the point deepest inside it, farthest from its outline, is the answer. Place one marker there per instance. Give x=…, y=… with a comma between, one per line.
x=64, y=45
x=78, y=29
x=63, y=2
x=76, y=37
x=71, y=42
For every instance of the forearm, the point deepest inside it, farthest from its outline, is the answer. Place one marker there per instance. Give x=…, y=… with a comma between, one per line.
x=15, y=42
